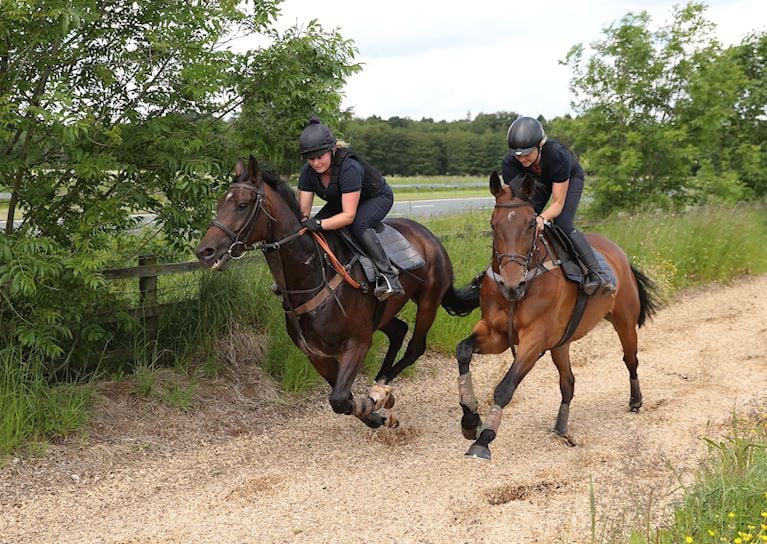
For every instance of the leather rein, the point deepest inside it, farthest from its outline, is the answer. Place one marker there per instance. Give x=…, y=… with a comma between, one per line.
x=239, y=244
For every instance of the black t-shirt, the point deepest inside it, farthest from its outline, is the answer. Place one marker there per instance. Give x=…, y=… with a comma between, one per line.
x=353, y=175
x=349, y=179
x=558, y=165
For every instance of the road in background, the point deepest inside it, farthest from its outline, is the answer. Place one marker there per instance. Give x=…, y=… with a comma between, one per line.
x=405, y=208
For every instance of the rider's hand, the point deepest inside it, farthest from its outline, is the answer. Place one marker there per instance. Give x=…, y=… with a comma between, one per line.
x=312, y=224
x=539, y=222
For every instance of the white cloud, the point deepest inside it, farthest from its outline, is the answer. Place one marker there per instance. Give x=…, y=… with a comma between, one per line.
x=442, y=59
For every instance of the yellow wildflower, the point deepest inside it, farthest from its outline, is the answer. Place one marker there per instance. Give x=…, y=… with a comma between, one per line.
x=764, y=527
x=737, y=541
x=688, y=539
x=711, y=533
x=731, y=515
x=764, y=514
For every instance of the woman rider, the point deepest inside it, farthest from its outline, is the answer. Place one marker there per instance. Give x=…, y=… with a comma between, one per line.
x=562, y=178
x=356, y=194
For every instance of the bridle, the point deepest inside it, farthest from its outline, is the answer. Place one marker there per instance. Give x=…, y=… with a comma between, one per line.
x=239, y=244
x=518, y=258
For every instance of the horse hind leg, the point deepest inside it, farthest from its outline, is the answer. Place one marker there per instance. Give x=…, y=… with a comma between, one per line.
x=395, y=330
x=424, y=319
x=627, y=333
x=561, y=358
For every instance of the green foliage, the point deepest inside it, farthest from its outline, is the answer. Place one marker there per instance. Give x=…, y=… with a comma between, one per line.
x=652, y=102
x=29, y=407
x=112, y=109
x=38, y=311
x=404, y=147
x=300, y=75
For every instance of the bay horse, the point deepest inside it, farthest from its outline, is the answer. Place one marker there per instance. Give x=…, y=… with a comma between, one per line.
x=527, y=301
x=330, y=319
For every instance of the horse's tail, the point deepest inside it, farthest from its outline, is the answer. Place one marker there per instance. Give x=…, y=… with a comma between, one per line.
x=462, y=301
x=649, y=302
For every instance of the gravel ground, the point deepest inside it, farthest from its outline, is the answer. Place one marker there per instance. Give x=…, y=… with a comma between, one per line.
x=246, y=466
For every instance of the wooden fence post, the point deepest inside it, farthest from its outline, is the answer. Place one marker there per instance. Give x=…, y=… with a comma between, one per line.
x=148, y=302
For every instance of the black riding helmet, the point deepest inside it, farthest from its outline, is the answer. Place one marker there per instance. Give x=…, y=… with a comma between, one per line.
x=525, y=134
x=315, y=140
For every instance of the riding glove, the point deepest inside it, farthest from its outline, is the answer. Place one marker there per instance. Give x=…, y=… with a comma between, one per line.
x=312, y=224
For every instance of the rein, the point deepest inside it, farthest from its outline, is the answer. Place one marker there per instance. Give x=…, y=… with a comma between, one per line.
x=238, y=238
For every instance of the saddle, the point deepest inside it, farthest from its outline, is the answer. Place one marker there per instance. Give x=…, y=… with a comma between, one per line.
x=400, y=251
x=567, y=257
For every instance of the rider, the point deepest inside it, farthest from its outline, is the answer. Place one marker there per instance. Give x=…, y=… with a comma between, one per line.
x=562, y=181
x=356, y=194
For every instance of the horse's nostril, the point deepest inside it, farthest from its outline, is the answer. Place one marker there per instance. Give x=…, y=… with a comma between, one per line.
x=205, y=253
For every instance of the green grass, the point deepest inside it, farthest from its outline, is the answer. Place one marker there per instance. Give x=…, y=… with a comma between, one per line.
x=32, y=411
x=394, y=181
x=404, y=195
x=723, y=500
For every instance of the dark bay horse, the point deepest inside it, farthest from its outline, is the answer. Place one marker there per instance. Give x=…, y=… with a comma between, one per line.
x=526, y=301
x=329, y=319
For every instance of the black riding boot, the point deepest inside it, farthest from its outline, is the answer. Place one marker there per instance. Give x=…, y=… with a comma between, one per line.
x=388, y=283
x=594, y=282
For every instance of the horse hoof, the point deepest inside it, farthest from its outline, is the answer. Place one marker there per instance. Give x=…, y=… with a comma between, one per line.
x=470, y=434
x=373, y=421
x=635, y=409
x=568, y=440
x=479, y=452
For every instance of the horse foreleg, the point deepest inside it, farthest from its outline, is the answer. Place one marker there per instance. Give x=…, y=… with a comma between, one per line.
x=341, y=399
x=484, y=339
x=502, y=395
x=561, y=358
x=470, y=421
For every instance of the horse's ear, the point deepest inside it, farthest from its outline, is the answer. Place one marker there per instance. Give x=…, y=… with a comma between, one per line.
x=239, y=168
x=529, y=185
x=495, y=184
x=254, y=170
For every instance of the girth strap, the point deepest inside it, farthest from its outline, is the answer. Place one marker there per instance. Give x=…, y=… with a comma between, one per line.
x=575, y=319
x=320, y=297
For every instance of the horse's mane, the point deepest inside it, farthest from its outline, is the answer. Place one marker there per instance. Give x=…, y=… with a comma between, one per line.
x=283, y=189
x=524, y=186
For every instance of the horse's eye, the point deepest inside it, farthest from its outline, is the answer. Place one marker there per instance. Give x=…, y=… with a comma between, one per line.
x=242, y=205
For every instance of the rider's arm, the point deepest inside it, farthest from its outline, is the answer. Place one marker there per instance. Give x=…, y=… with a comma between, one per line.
x=350, y=184
x=558, y=197
x=349, y=202
x=305, y=199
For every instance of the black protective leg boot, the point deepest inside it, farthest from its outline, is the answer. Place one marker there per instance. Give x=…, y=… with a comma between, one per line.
x=594, y=282
x=388, y=283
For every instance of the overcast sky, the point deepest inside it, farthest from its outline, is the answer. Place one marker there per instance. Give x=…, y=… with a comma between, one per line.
x=444, y=59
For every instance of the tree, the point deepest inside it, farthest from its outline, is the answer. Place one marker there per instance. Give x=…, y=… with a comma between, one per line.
x=650, y=102
x=111, y=107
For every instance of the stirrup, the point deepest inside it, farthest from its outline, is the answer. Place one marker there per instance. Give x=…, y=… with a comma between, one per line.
x=385, y=290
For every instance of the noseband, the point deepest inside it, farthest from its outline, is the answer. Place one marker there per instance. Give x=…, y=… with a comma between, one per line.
x=518, y=258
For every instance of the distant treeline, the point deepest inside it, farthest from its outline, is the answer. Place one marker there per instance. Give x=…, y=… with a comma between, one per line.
x=403, y=147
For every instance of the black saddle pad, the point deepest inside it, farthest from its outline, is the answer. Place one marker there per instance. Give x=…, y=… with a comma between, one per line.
x=401, y=252
x=569, y=258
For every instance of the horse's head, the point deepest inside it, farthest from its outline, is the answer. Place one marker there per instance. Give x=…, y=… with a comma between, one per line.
x=238, y=223
x=513, y=223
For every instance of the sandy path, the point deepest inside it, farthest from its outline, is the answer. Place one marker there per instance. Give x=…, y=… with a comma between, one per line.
x=306, y=475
